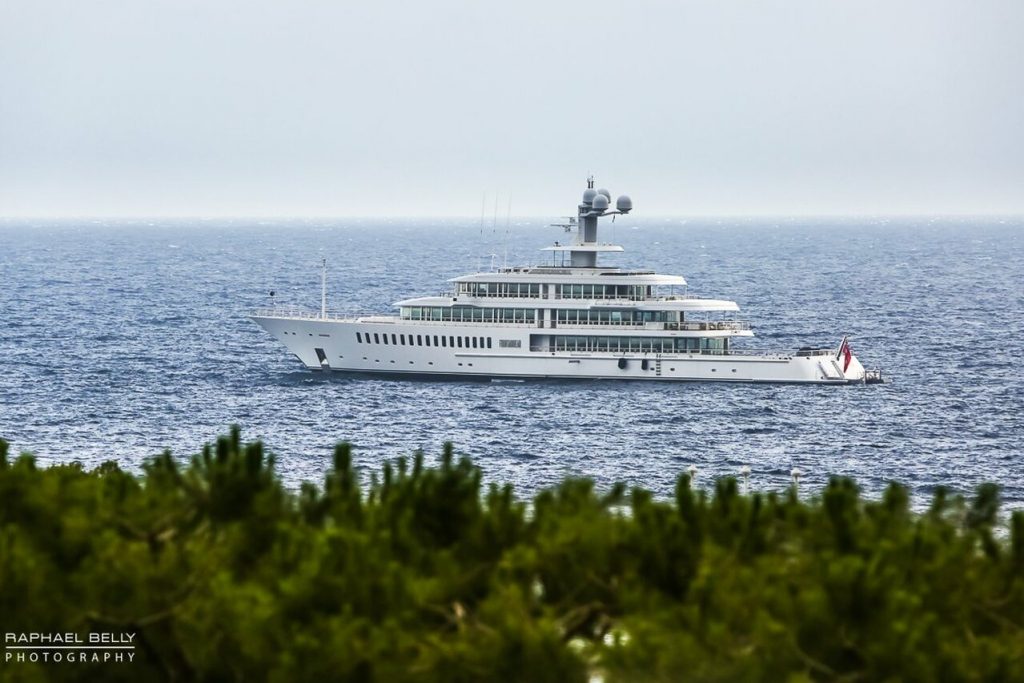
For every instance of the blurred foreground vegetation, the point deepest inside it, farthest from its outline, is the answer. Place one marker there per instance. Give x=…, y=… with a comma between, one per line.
x=425, y=575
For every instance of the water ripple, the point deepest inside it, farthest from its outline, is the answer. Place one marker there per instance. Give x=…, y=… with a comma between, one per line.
x=116, y=344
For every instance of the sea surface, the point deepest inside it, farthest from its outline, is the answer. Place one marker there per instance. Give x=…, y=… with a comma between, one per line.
x=119, y=339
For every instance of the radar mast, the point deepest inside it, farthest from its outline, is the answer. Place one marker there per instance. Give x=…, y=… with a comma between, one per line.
x=594, y=205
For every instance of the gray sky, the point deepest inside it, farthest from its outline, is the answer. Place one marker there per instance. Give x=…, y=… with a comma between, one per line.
x=377, y=107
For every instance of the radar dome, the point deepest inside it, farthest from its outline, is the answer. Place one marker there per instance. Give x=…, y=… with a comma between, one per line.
x=624, y=204
x=588, y=196
x=606, y=193
x=600, y=203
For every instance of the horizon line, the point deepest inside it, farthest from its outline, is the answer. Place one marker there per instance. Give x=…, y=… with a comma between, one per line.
x=397, y=216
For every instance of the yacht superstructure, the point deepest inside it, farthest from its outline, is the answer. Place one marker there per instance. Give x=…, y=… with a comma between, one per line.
x=570, y=318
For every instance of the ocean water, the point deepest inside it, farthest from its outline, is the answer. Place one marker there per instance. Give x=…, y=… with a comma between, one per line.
x=120, y=339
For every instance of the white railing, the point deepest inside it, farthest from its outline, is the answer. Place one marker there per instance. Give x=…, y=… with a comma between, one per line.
x=478, y=295
x=709, y=325
x=725, y=325
x=300, y=313
x=471, y=321
x=772, y=355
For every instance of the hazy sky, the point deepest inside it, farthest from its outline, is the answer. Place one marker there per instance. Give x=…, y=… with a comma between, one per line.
x=296, y=107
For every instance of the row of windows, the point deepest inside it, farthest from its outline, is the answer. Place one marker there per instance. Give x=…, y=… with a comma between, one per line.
x=446, y=341
x=470, y=314
x=641, y=344
x=635, y=292
x=588, y=317
x=532, y=290
x=502, y=289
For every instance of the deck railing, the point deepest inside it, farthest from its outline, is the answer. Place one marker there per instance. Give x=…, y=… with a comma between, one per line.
x=617, y=353
x=724, y=325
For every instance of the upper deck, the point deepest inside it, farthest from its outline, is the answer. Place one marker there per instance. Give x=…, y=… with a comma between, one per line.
x=553, y=275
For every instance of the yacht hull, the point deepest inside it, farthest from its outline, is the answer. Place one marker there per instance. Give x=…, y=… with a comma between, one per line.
x=357, y=345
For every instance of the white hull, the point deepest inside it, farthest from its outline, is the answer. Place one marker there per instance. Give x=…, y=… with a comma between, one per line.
x=331, y=344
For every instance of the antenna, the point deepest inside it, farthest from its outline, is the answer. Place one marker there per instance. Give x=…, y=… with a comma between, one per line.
x=508, y=220
x=323, y=289
x=480, y=246
x=494, y=223
x=494, y=229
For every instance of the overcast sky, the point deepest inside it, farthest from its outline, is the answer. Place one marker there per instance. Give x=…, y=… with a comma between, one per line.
x=334, y=108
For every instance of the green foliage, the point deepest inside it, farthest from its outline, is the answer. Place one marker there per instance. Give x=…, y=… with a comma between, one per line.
x=426, y=575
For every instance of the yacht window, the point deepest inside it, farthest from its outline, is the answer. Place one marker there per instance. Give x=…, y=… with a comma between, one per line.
x=488, y=342
x=376, y=339
x=419, y=340
x=474, y=342
x=444, y=341
x=460, y=341
x=394, y=339
x=402, y=337
x=385, y=337
x=451, y=342
x=435, y=341
x=359, y=338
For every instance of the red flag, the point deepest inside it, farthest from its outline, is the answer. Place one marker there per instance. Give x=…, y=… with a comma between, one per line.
x=846, y=353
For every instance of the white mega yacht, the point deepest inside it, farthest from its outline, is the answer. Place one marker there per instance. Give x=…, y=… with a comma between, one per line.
x=569, y=318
